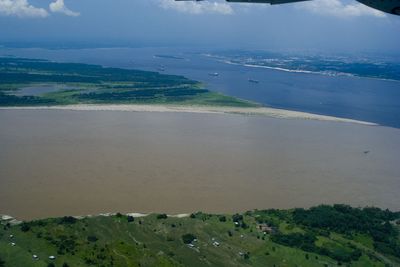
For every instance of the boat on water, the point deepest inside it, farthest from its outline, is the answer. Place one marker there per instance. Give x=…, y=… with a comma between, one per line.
x=214, y=74
x=253, y=81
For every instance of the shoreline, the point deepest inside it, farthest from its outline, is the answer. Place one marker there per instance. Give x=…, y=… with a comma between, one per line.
x=15, y=221
x=257, y=111
x=338, y=74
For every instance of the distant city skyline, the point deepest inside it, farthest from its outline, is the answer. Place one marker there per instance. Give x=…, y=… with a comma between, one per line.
x=327, y=25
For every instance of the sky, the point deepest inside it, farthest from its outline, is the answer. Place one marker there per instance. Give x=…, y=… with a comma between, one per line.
x=328, y=25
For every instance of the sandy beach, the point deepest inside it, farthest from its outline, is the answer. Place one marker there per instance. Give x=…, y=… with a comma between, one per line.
x=260, y=111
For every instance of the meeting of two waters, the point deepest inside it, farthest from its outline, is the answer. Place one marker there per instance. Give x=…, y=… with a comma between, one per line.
x=54, y=163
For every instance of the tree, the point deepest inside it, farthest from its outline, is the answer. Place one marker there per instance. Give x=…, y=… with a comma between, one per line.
x=68, y=220
x=2, y=263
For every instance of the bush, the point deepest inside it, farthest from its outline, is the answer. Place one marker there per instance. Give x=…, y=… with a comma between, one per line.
x=92, y=238
x=25, y=227
x=188, y=238
x=131, y=219
x=237, y=218
x=244, y=225
x=162, y=216
x=222, y=219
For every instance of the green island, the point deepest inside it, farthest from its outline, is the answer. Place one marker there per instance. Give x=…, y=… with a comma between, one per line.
x=337, y=235
x=33, y=82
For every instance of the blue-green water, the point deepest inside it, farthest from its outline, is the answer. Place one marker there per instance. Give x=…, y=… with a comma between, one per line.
x=367, y=99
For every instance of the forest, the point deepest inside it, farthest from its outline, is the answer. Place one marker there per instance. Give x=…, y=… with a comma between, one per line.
x=70, y=83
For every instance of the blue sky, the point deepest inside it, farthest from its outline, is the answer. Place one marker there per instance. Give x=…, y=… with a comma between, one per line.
x=331, y=25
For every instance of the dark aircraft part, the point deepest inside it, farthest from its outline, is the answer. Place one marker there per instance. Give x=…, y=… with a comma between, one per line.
x=388, y=6
x=272, y=2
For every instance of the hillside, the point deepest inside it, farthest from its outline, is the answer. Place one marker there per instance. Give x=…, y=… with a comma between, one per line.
x=321, y=236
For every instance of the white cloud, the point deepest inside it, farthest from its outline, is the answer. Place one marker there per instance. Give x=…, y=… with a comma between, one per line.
x=21, y=8
x=59, y=7
x=197, y=7
x=340, y=9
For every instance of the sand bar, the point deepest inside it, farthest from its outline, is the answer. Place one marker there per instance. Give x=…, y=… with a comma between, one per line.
x=260, y=111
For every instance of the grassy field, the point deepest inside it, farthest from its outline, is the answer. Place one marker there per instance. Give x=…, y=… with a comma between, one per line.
x=201, y=239
x=66, y=83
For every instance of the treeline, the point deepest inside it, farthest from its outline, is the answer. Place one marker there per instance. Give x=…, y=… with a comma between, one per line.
x=24, y=78
x=15, y=70
x=343, y=219
x=173, y=94
x=12, y=100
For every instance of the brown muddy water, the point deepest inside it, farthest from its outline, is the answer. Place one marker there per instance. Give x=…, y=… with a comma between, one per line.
x=55, y=163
